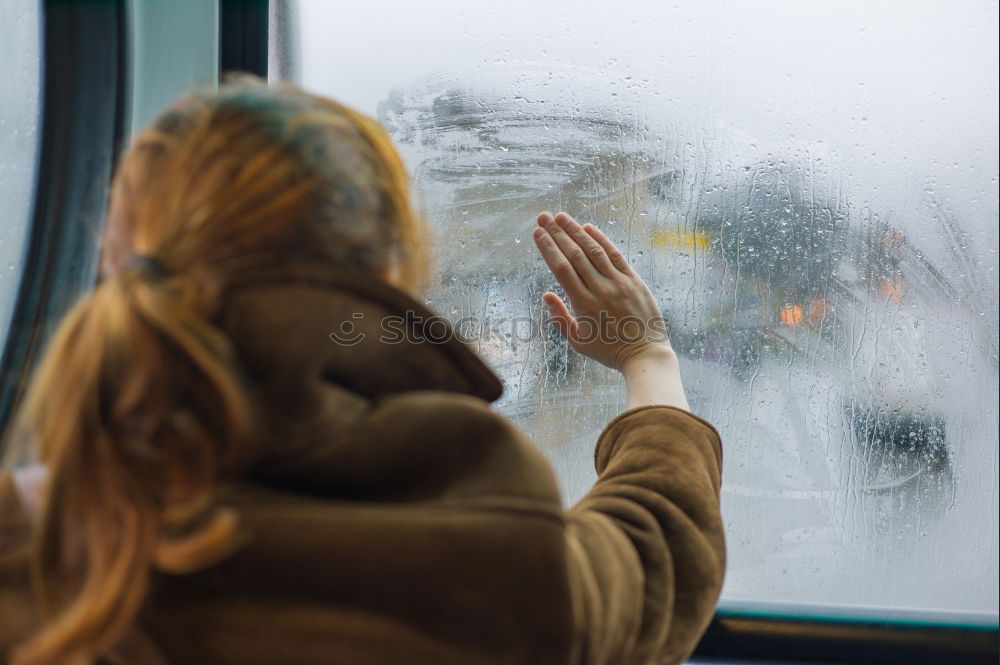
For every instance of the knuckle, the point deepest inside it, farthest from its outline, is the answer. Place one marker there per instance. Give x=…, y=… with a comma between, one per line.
x=575, y=255
x=623, y=285
x=608, y=290
x=562, y=269
x=595, y=251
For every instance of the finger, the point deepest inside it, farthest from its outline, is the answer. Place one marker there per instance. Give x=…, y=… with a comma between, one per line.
x=574, y=254
x=591, y=248
x=614, y=254
x=545, y=218
x=559, y=314
x=559, y=264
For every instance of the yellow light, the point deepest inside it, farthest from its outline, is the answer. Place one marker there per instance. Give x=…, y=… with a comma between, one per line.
x=681, y=240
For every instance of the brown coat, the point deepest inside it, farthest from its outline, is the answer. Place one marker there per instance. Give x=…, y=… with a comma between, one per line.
x=394, y=518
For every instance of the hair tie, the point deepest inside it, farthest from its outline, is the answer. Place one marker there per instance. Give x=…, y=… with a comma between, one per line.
x=148, y=267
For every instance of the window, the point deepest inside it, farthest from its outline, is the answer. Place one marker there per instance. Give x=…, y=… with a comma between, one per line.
x=811, y=191
x=19, y=114
x=65, y=116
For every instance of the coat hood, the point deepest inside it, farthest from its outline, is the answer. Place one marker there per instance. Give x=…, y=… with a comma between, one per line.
x=324, y=349
x=301, y=325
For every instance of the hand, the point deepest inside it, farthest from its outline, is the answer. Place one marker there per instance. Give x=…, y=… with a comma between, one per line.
x=615, y=318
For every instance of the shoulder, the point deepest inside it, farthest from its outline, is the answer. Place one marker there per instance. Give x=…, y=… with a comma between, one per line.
x=432, y=446
x=435, y=414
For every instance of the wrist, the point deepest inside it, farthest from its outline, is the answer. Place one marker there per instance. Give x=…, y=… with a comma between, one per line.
x=655, y=357
x=654, y=377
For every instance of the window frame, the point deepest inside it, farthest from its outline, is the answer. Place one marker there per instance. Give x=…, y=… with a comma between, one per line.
x=771, y=633
x=243, y=36
x=82, y=129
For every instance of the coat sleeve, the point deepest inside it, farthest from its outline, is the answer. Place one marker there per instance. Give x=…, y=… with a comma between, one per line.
x=645, y=546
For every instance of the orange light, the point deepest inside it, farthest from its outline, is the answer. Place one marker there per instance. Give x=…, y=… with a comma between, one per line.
x=792, y=315
x=891, y=289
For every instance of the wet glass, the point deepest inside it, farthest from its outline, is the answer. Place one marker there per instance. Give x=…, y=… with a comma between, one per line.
x=811, y=192
x=20, y=32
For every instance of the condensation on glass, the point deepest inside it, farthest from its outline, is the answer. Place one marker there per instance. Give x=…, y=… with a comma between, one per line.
x=811, y=192
x=20, y=31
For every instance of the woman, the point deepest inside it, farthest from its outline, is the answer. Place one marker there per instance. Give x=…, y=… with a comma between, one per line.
x=223, y=477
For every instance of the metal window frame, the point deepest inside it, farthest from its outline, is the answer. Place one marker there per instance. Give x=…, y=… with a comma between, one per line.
x=108, y=67
x=82, y=129
x=899, y=638
x=243, y=38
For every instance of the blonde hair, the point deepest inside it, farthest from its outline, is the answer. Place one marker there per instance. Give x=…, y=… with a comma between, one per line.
x=139, y=409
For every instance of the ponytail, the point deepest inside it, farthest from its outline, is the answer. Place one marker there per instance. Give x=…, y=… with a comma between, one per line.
x=137, y=409
x=137, y=412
